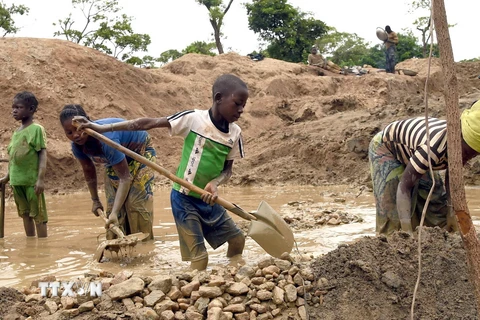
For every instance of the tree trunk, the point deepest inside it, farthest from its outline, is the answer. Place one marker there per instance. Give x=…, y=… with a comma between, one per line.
x=216, y=34
x=455, y=164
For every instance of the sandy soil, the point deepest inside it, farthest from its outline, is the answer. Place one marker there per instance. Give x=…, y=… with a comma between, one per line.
x=298, y=128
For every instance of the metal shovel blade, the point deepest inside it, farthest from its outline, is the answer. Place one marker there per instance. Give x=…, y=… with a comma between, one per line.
x=270, y=231
x=116, y=244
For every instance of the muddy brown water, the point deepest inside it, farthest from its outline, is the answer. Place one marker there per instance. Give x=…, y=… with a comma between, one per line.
x=74, y=234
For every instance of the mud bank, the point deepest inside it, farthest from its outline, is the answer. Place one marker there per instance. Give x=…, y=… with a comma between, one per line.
x=375, y=278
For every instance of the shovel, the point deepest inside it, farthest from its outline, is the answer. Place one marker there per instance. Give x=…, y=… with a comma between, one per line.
x=122, y=241
x=267, y=228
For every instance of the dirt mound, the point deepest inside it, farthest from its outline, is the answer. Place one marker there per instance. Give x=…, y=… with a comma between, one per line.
x=298, y=128
x=375, y=278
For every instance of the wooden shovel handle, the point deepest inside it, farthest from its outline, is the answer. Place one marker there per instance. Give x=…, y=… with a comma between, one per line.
x=2, y=210
x=224, y=203
x=115, y=229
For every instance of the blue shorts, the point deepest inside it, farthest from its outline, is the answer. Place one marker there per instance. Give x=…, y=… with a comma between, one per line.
x=197, y=220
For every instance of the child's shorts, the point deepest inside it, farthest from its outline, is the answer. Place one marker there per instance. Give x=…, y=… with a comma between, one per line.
x=28, y=203
x=197, y=220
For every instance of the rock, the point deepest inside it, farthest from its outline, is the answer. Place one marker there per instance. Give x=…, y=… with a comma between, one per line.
x=290, y=293
x=265, y=262
x=307, y=274
x=128, y=303
x=264, y=316
x=293, y=270
x=167, y=315
x=189, y=288
x=242, y=316
x=300, y=302
x=201, y=276
x=216, y=281
x=244, y=272
x=85, y=307
x=70, y=313
x=271, y=270
x=258, y=280
x=194, y=296
x=278, y=295
x=174, y=293
x=236, y=300
x=33, y=297
x=183, y=306
x=237, y=288
x=125, y=289
x=166, y=305
x=210, y=292
x=121, y=277
x=215, y=303
x=137, y=299
x=264, y=295
x=235, y=308
x=302, y=312
x=333, y=221
x=214, y=313
x=163, y=283
x=283, y=264
x=276, y=312
x=391, y=279
x=260, y=308
x=147, y=314
x=253, y=315
x=339, y=200
x=228, y=315
x=201, y=304
x=50, y=306
x=179, y=315
x=269, y=285
x=298, y=279
x=67, y=302
x=287, y=256
x=191, y=315
x=153, y=298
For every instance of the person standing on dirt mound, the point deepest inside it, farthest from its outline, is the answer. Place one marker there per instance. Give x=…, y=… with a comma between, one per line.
x=128, y=183
x=211, y=143
x=27, y=166
x=390, y=46
x=400, y=171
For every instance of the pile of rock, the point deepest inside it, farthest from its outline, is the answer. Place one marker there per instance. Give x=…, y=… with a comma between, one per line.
x=308, y=215
x=272, y=288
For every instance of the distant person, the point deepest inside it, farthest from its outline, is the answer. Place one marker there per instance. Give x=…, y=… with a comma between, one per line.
x=27, y=166
x=128, y=183
x=390, y=47
x=317, y=60
x=400, y=172
x=212, y=141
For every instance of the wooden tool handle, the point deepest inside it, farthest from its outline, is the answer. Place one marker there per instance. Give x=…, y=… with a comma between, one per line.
x=115, y=229
x=224, y=203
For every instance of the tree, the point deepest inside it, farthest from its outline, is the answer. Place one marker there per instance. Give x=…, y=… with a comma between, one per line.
x=7, y=24
x=217, y=12
x=104, y=30
x=200, y=47
x=346, y=49
x=288, y=31
x=423, y=23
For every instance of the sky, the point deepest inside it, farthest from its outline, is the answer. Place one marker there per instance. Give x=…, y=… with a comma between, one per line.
x=174, y=24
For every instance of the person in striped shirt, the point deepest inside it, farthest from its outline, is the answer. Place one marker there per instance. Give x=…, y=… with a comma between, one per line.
x=212, y=141
x=399, y=165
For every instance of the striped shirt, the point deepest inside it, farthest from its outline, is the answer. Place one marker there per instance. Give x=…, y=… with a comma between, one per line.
x=407, y=140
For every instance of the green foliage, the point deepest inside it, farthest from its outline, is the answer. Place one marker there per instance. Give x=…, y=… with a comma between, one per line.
x=471, y=60
x=217, y=11
x=7, y=24
x=346, y=49
x=289, y=32
x=104, y=30
x=200, y=47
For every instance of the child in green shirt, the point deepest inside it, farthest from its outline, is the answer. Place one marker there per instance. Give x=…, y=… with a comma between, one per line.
x=27, y=166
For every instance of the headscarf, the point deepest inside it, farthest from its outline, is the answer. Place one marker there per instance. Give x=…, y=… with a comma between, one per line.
x=471, y=126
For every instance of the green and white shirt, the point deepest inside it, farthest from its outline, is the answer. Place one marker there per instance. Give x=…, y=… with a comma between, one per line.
x=205, y=148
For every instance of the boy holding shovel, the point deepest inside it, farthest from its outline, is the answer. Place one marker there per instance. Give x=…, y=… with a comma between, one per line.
x=211, y=143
